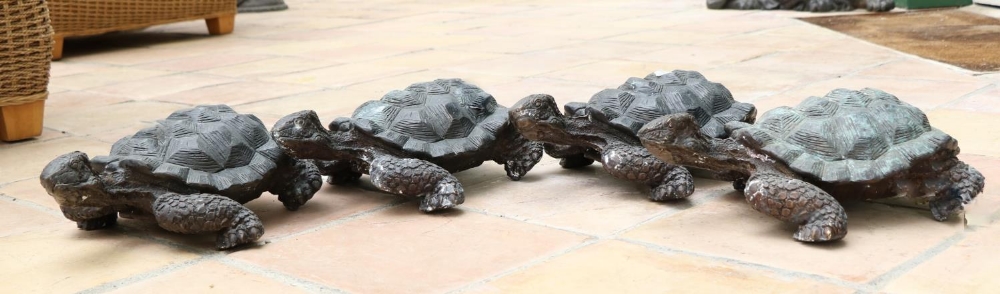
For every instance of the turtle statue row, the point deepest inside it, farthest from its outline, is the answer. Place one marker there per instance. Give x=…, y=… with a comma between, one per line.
x=191, y=172
x=803, y=5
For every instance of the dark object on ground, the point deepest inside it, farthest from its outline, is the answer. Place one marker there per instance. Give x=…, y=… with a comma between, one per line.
x=411, y=141
x=604, y=129
x=852, y=145
x=804, y=5
x=190, y=174
x=260, y=5
x=951, y=36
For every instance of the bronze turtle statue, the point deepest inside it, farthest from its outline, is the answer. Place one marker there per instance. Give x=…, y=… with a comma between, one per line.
x=604, y=128
x=804, y=5
x=190, y=174
x=411, y=141
x=797, y=163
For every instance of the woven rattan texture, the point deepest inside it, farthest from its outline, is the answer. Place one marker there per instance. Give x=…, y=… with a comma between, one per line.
x=90, y=17
x=25, y=51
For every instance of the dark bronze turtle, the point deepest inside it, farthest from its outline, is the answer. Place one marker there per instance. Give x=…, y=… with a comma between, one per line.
x=849, y=145
x=804, y=5
x=604, y=129
x=411, y=141
x=190, y=174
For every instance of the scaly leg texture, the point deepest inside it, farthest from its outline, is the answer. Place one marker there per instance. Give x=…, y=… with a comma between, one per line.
x=636, y=164
x=819, y=216
x=202, y=213
x=417, y=178
x=338, y=172
x=966, y=184
x=91, y=218
x=570, y=157
x=519, y=155
x=297, y=181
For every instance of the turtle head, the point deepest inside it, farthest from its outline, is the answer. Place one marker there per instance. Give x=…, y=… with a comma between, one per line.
x=674, y=136
x=537, y=117
x=71, y=181
x=302, y=135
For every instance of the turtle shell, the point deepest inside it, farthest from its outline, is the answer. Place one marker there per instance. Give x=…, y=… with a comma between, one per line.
x=847, y=136
x=639, y=101
x=445, y=117
x=210, y=148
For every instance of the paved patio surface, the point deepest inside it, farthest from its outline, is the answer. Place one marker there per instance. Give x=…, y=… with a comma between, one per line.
x=556, y=231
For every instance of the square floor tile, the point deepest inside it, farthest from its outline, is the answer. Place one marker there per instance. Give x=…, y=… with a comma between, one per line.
x=970, y=266
x=63, y=259
x=618, y=267
x=586, y=200
x=404, y=251
x=209, y=276
x=879, y=238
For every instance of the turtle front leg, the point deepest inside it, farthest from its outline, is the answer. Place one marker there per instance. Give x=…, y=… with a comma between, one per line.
x=296, y=182
x=570, y=157
x=203, y=213
x=91, y=218
x=668, y=181
x=819, y=216
x=517, y=154
x=417, y=178
x=964, y=184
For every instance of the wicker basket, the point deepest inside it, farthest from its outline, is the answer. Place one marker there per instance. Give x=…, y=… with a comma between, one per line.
x=25, y=54
x=92, y=17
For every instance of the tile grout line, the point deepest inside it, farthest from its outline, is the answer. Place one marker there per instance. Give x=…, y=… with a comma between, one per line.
x=342, y=220
x=715, y=196
x=592, y=239
x=523, y=266
x=771, y=269
x=975, y=92
x=30, y=204
x=147, y=275
x=834, y=77
x=222, y=257
x=883, y=280
x=527, y=221
x=284, y=278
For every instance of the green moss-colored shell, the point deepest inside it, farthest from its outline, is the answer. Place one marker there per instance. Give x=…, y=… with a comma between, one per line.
x=847, y=136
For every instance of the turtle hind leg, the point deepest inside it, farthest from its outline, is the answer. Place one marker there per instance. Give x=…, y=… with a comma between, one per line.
x=296, y=183
x=91, y=218
x=965, y=184
x=203, y=213
x=417, y=178
x=819, y=216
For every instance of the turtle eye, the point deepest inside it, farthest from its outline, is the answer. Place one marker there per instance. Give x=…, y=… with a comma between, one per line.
x=345, y=126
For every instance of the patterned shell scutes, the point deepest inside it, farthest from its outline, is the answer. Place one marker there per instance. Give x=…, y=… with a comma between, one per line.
x=438, y=118
x=209, y=147
x=847, y=136
x=639, y=101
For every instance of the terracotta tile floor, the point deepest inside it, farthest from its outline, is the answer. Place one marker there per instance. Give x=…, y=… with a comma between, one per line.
x=556, y=231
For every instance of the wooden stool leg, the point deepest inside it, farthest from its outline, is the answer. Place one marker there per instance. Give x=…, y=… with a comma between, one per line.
x=221, y=25
x=57, y=47
x=19, y=122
